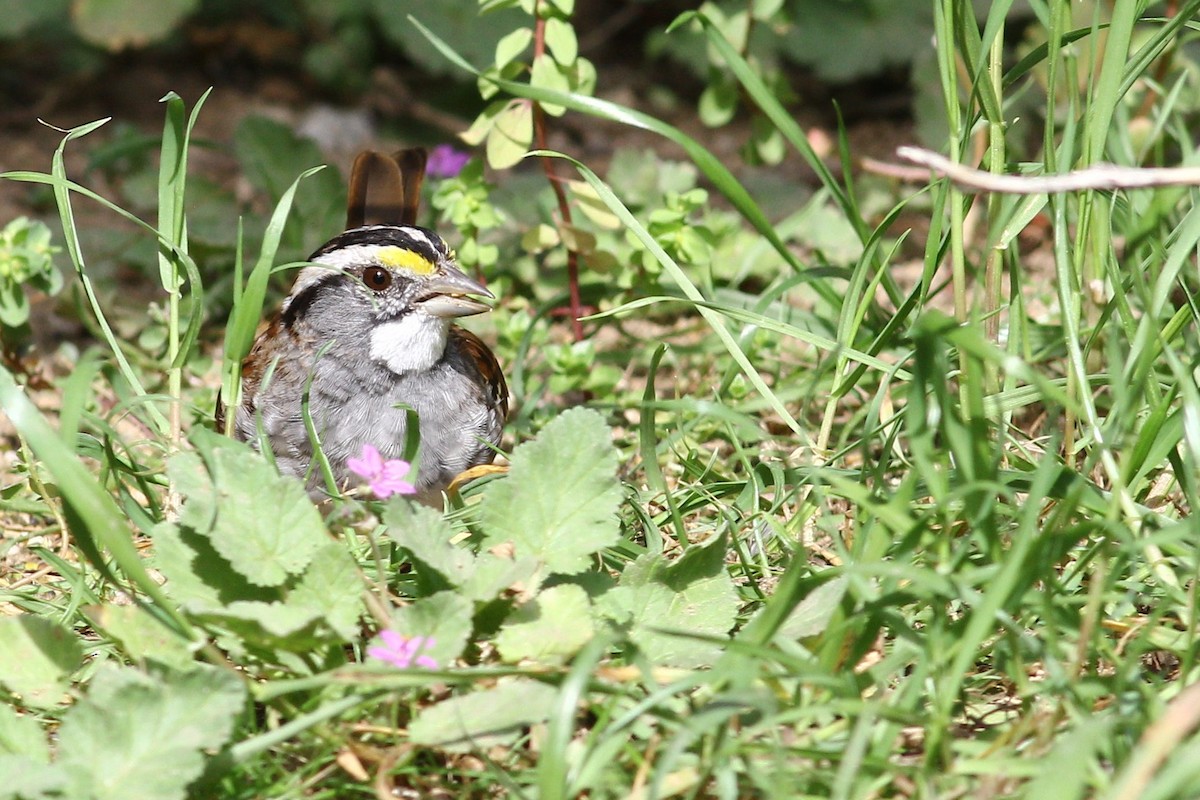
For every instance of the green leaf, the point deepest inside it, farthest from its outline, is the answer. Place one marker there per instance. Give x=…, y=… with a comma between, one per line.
x=26, y=779
x=765, y=9
x=14, y=305
x=662, y=605
x=289, y=616
x=332, y=589
x=559, y=501
x=769, y=144
x=482, y=126
x=512, y=46
x=142, y=637
x=140, y=736
x=592, y=206
x=718, y=102
x=117, y=24
x=812, y=614
x=198, y=578
x=561, y=41
x=22, y=736
x=550, y=628
x=37, y=655
x=426, y=535
x=1067, y=770
x=276, y=623
x=511, y=135
x=484, y=719
x=547, y=74
x=265, y=547
x=445, y=616
x=582, y=76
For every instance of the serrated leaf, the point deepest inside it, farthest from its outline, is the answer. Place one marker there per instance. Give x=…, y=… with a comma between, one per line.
x=37, y=655
x=140, y=736
x=282, y=623
x=494, y=575
x=445, y=616
x=550, y=628
x=511, y=135
x=561, y=40
x=426, y=535
x=332, y=589
x=142, y=637
x=26, y=778
x=190, y=478
x=264, y=524
x=661, y=605
x=117, y=24
x=484, y=719
x=559, y=501
x=288, y=617
x=198, y=578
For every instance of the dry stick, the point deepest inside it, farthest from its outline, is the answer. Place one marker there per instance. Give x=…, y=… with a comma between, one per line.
x=1098, y=177
x=564, y=208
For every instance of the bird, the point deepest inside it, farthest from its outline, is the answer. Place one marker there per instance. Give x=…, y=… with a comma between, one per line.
x=366, y=339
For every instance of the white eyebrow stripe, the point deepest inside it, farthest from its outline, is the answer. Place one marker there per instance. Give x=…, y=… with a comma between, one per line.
x=336, y=261
x=339, y=259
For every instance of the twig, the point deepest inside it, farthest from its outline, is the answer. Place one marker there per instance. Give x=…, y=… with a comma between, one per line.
x=1100, y=176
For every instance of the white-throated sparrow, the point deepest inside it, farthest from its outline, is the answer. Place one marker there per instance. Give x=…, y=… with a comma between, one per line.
x=370, y=324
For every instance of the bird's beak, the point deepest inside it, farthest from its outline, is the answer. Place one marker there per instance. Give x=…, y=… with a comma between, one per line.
x=446, y=294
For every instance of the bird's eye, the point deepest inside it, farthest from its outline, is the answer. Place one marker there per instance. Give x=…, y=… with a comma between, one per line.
x=377, y=278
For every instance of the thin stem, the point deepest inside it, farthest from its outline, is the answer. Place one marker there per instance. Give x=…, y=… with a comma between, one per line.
x=174, y=371
x=996, y=156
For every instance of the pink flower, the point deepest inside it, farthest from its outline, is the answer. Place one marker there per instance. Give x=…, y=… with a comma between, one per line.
x=446, y=161
x=403, y=651
x=385, y=478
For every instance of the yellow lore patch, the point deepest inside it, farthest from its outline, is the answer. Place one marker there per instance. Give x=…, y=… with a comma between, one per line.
x=399, y=258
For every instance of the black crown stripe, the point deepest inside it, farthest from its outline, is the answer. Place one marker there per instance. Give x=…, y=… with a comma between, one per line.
x=421, y=241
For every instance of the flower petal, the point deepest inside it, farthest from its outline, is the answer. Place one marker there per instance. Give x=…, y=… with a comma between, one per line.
x=369, y=465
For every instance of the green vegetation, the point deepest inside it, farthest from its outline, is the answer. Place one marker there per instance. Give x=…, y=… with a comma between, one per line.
x=879, y=491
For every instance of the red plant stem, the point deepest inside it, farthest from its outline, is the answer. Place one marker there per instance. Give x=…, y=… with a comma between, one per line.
x=564, y=208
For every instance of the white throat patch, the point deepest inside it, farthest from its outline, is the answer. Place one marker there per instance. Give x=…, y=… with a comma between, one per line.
x=412, y=343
